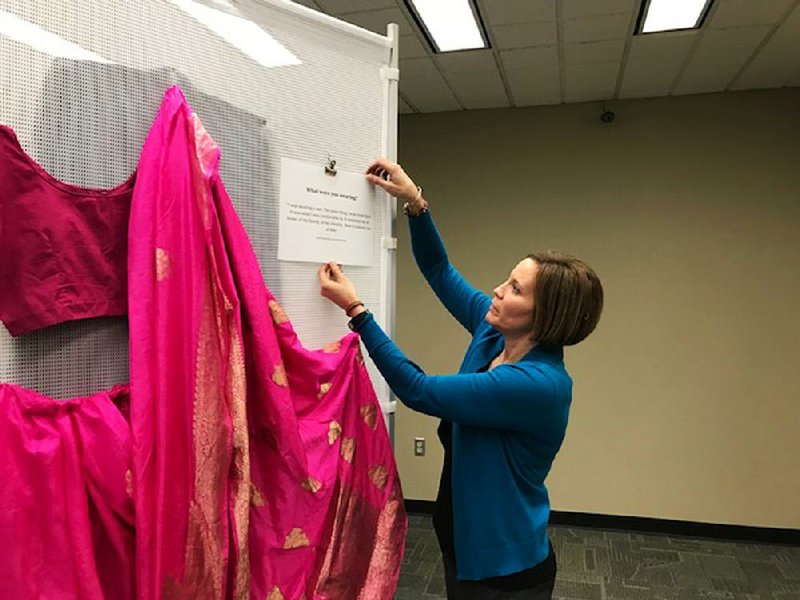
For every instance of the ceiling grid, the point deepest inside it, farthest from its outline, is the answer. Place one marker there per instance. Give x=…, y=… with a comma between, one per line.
x=552, y=52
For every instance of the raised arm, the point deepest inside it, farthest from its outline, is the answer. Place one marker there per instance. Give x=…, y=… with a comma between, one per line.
x=465, y=303
x=508, y=397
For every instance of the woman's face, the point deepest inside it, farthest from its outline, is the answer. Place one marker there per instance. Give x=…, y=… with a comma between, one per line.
x=512, y=301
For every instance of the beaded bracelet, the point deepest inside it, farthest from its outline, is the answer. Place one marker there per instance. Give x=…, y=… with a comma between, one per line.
x=407, y=205
x=353, y=305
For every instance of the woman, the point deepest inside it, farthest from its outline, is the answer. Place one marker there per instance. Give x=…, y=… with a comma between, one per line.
x=504, y=414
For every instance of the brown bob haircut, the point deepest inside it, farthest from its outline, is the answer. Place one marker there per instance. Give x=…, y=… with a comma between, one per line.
x=568, y=299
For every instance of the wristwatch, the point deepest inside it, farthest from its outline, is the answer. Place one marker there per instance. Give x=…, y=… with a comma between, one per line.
x=356, y=321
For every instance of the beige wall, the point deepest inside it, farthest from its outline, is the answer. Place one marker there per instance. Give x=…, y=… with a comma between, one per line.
x=687, y=397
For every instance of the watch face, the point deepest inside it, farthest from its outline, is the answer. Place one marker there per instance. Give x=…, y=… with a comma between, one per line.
x=357, y=319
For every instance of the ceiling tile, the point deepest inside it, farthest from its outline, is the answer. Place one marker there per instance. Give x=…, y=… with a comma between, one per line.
x=712, y=70
x=677, y=42
x=718, y=57
x=530, y=87
x=703, y=82
x=522, y=35
x=606, y=27
x=654, y=61
x=530, y=58
x=470, y=61
x=773, y=67
x=429, y=94
x=418, y=68
x=411, y=47
x=590, y=82
x=525, y=36
x=778, y=60
x=650, y=76
x=749, y=36
x=594, y=52
x=789, y=32
x=507, y=12
x=377, y=20
x=338, y=7
x=749, y=12
x=483, y=90
x=764, y=77
x=589, y=8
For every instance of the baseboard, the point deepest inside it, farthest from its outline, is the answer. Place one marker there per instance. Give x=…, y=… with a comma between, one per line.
x=767, y=535
x=420, y=507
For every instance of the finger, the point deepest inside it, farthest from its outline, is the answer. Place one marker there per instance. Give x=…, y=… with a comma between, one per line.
x=391, y=188
x=336, y=271
x=382, y=163
x=374, y=166
x=323, y=274
x=378, y=180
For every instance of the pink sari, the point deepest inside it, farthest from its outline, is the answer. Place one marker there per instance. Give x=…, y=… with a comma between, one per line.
x=237, y=464
x=261, y=469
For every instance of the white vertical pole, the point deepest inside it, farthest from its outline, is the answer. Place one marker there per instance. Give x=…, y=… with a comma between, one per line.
x=390, y=76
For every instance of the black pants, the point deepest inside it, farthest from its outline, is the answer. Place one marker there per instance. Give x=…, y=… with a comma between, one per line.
x=477, y=590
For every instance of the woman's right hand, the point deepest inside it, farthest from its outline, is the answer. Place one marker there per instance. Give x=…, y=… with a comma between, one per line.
x=392, y=178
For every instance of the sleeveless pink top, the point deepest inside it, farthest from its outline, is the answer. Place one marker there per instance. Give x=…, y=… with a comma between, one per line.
x=64, y=248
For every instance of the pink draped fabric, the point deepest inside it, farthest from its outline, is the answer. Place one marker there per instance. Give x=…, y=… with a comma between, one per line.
x=258, y=464
x=249, y=467
x=66, y=512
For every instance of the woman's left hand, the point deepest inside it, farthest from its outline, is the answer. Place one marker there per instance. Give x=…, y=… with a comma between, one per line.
x=336, y=287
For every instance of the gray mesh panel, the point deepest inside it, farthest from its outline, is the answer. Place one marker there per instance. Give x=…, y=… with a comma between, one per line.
x=85, y=123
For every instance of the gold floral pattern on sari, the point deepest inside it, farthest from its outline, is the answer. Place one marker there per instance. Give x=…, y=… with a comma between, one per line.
x=388, y=541
x=256, y=497
x=378, y=475
x=332, y=347
x=241, y=484
x=275, y=594
x=324, y=388
x=129, y=483
x=370, y=415
x=396, y=493
x=356, y=519
x=348, y=448
x=296, y=539
x=334, y=431
x=205, y=565
x=279, y=376
x=312, y=485
x=163, y=264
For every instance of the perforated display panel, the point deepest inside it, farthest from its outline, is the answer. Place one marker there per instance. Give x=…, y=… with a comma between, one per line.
x=85, y=122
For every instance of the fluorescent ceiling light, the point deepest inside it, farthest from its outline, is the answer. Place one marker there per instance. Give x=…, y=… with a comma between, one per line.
x=452, y=24
x=669, y=15
x=42, y=40
x=240, y=33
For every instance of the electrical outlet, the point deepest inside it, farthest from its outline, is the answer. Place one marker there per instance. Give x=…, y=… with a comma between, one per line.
x=419, y=446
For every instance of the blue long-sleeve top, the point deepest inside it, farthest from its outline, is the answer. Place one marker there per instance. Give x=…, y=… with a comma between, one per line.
x=508, y=422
